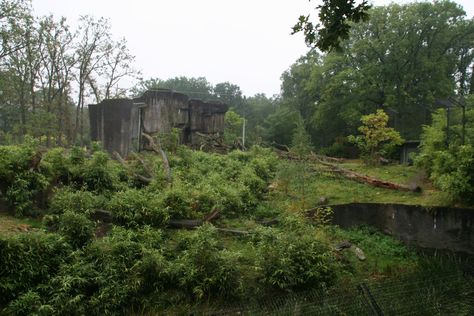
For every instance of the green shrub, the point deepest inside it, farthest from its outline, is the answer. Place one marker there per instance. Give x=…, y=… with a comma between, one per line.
x=377, y=140
x=25, y=191
x=84, y=202
x=108, y=276
x=21, y=183
x=449, y=167
x=56, y=164
x=98, y=175
x=77, y=228
x=202, y=270
x=177, y=201
x=29, y=303
x=453, y=172
x=138, y=207
x=28, y=260
x=291, y=258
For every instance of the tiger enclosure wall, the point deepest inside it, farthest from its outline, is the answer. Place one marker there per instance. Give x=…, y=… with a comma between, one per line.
x=119, y=123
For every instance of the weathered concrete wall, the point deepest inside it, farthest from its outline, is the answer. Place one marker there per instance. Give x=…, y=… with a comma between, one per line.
x=434, y=227
x=164, y=110
x=114, y=123
x=206, y=118
x=118, y=123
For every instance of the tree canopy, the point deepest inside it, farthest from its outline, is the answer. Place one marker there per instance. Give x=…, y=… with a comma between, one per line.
x=401, y=60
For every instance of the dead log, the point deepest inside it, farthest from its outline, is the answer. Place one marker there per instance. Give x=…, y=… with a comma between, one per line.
x=156, y=147
x=351, y=175
x=212, y=141
x=185, y=223
x=280, y=146
x=126, y=166
x=212, y=216
x=145, y=165
x=314, y=156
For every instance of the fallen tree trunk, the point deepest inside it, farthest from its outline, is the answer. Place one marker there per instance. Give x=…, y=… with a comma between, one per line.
x=185, y=223
x=326, y=158
x=348, y=174
x=312, y=157
x=156, y=147
x=125, y=165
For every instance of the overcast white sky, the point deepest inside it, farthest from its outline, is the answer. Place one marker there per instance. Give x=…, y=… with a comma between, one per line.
x=246, y=42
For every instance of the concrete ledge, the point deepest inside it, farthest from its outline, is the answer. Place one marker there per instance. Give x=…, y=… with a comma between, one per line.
x=441, y=228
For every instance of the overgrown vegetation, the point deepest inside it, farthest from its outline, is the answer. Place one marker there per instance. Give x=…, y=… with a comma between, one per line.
x=448, y=161
x=81, y=233
x=75, y=263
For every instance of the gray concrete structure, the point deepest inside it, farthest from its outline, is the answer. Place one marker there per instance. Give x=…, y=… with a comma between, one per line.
x=119, y=123
x=427, y=227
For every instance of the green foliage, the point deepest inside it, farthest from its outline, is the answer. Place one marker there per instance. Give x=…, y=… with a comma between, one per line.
x=97, y=175
x=20, y=181
x=433, y=139
x=28, y=260
x=77, y=228
x=323, y=216
x=203, y=270
x=336, y=17
x=301, y=143
x=377, y=139
x=281, y=125
x=291, y=258
x=333, y=91
x=384, y=254
x=205, y=181
x=29, y=303
x=450, y=168
x=170, y=141
x=233, y=123
x=341, y=148
x=69, y=200
x=197, y=88
x=93, y=171
x=453, y=172
x=134, y=207
x=109, y=275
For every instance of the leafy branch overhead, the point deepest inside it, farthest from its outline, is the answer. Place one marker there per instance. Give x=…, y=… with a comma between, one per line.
x=335, y=17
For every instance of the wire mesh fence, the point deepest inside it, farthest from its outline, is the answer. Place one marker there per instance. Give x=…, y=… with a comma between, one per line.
x=449, y=294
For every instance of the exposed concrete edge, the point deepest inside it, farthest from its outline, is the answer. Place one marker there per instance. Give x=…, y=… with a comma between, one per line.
x=442, y=228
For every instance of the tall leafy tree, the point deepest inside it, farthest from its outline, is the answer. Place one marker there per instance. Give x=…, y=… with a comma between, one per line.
x=401, y=60
x=198, y=88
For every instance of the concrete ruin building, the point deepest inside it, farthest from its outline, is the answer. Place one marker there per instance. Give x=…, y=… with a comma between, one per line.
x=119, y=123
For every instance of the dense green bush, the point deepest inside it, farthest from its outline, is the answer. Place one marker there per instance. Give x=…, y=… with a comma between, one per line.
x=291, y=258
x=449, y=166
x=98, y=174
x=21, y=183
x=107, y=277
x=28, y=260
x=77, y=228
x=202, y=270
x=453, y=172
x=84, y=202
x=134, y=207
x=92, y=171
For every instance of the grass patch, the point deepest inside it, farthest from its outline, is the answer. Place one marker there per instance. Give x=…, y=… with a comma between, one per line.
x=334, y=189
x=11, y=225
